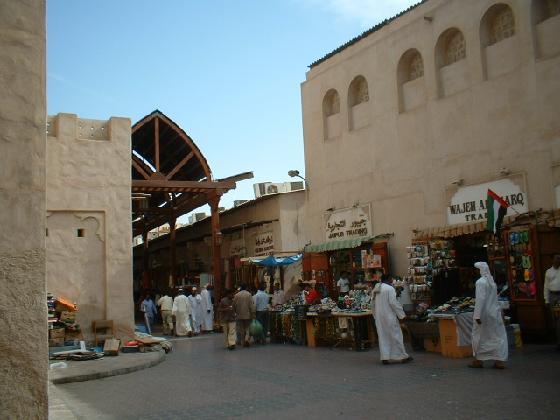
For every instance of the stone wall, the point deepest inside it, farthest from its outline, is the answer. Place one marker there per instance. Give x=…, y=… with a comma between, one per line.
x=495, y=107
x=89, y=258
x=23, y=311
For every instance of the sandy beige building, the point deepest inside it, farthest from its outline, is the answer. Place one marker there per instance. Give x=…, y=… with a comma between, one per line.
x=89, y=257
x=416, y=116
x=23, y=311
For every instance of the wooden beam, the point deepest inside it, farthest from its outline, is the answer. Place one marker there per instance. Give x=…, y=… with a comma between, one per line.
x=181, y=186
x=139, y=168
x=156, y=141
x=179, y=165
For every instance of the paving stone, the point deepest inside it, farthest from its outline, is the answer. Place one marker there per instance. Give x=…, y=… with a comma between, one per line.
x=202, y=380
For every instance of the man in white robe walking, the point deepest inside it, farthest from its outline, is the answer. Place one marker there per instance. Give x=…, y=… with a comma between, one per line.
x=387, y=313
x=196, y=304
x=182, y=310
x=489, y=338
x=207, y=310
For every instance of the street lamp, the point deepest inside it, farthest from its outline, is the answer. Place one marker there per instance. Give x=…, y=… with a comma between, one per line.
x=295, y=173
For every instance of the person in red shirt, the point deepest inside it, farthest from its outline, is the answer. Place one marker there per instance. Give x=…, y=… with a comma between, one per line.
x=311, y=295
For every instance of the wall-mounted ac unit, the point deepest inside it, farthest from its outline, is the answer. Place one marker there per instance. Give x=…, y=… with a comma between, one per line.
x=237, y=203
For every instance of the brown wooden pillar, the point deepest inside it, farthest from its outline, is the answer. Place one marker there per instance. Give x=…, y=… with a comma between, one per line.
x=145, y=261
x=173, y=251
x=214, y=202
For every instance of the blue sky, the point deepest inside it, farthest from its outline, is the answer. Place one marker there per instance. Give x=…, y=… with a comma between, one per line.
x=228, y=72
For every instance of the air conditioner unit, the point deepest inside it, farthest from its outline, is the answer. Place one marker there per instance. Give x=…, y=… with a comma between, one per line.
x=260, y=188
x=272, y=189
x=237, y=203
x=296, y=186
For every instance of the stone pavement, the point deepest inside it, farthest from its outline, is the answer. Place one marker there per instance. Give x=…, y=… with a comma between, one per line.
x=107, y=366
x=201, y=380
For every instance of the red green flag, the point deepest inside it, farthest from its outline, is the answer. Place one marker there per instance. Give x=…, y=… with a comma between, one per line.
x=497, y=209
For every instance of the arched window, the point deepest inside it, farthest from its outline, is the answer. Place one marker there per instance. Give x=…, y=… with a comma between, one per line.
x=411, y=89
x=544, y=9
x=331, y=103
x=546, y=26
x=451, y=47
x=415, y=66
x=358, y=95
x=456, y=48
x=358, y=91
x=497, y=24
x=331, y=114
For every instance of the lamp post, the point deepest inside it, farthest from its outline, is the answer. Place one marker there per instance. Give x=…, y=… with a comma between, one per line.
x=295, y=173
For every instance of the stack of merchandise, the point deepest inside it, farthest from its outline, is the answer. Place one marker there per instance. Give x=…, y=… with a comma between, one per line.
x=442, y=256
x=454, y=306
x=63, y=329
x=419, y=264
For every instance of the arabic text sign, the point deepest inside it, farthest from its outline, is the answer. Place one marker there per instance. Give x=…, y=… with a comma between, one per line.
x=468, y=204
x=353, y=222
x=264, y=244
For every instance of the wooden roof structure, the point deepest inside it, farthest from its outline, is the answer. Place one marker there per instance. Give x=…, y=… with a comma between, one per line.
x=170, y=175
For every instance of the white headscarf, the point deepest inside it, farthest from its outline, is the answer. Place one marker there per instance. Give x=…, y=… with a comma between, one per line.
x=485, y=271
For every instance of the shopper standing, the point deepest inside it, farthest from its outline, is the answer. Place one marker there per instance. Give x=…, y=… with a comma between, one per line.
x=196, y=305
x=226, y=314
x=388, y=311
x=165, y=304
x=489, y=339
x=244, y=311
x=552, y=293
x=343, y=283
x=260, y=301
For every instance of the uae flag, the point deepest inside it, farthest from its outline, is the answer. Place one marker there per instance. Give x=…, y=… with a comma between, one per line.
x=497, y=209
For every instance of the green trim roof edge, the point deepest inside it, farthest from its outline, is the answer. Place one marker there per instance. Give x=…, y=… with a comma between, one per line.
x=365, y=34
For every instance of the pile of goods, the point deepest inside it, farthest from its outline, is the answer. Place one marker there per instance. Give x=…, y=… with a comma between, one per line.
x=454, y=306
x=63, y=329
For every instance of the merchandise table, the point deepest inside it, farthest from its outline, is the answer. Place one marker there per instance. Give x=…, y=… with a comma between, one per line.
x=358, y=329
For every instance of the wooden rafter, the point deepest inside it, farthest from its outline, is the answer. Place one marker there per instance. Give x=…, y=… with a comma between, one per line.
x=159, y=185
x=156, y=141
x=139, y=167
x=179, y=165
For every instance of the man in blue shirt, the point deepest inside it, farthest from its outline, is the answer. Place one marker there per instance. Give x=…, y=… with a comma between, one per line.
x=261, y=300
x=150, y=312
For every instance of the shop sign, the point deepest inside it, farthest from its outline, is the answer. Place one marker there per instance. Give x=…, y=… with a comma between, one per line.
x=237, y=247
x=264, y=244
x=468, y=204
x=353, y=222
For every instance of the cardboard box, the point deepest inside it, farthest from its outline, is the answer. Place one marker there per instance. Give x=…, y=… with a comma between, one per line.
x=57, y=333
x=111, y=347
x=68, y=317
x=56, y=342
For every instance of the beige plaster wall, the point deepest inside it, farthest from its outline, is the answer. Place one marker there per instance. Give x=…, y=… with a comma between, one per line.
x=23, y=311
x=88, y=188
x=493, y=111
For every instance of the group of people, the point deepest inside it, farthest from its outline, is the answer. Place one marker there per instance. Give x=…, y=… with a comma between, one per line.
x=189, y=313
x=489, y=339
x=238, y=310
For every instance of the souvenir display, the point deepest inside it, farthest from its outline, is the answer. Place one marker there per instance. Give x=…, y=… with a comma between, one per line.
x=521, y=263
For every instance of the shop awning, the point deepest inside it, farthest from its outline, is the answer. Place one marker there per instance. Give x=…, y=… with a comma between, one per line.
x=272, y=261
x=449, y=231
x=344, y=244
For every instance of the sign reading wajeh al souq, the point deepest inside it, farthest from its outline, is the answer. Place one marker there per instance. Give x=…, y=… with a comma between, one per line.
x=264, y=244
x=468, y=204
x=353, y=222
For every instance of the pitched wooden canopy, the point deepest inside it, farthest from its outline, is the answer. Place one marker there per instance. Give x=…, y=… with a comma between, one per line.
x=170, y=171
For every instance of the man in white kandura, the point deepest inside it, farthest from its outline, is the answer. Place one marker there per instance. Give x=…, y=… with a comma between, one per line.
x=387, y=313
x=182, y=310
x=207, y=310
x=196, y=305
x=489, y=339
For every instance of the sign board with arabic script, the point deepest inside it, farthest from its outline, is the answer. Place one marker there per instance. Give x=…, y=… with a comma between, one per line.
x=468, y=204
x=264, y=244
x=349, y=223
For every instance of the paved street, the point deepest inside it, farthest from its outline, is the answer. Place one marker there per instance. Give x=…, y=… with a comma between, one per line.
x=201, y=380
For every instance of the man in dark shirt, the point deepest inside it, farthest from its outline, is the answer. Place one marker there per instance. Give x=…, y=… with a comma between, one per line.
x=227, y=319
